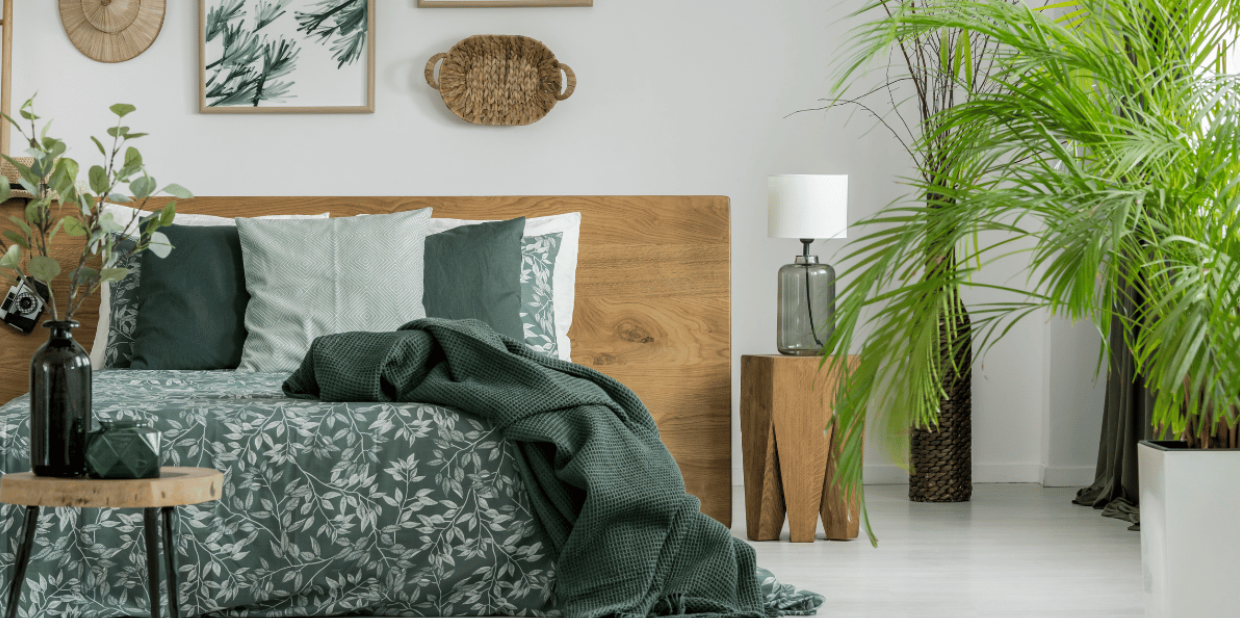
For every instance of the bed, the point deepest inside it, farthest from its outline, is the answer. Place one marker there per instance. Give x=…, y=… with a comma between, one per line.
x=362, y=479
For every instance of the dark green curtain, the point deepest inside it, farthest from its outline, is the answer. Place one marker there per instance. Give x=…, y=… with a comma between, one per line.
x=1127, y=421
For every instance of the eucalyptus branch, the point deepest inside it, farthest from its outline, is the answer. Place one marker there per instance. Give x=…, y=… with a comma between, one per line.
x=53, y=177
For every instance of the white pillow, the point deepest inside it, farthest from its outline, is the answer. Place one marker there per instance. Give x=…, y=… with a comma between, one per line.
x=123, y=215
x=307, y=279
x=564, y=284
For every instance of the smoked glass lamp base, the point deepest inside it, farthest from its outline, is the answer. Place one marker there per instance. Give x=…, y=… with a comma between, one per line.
x=806, y=316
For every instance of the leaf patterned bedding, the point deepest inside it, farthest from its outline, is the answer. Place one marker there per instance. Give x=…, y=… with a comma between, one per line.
x=328, y=509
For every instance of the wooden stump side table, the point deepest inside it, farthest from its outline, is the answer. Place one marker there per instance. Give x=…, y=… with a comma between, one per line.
x=174, y=487
x=786, y=402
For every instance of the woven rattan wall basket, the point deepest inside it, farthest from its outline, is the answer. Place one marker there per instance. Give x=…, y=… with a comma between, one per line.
x=500, y=80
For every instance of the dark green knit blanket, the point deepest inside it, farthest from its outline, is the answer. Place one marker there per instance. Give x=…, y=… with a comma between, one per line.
x=629, y=541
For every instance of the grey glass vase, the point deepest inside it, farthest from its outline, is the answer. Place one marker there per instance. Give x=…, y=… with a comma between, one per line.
x=806, y=306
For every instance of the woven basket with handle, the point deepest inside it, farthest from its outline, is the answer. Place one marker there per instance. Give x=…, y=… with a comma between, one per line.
x=501, y=80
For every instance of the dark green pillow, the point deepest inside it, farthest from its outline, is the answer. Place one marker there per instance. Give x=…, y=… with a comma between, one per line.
x=191, y=307
x=474, y=271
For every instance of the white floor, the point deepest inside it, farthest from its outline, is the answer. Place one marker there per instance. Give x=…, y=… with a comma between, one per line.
x=1016, y=550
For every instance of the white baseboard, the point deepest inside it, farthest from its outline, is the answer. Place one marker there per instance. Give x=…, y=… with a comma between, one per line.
x=1067, y=476
x=891, y=474
x=884, y=474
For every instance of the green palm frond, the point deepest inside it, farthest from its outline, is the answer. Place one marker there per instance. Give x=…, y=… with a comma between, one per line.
x=1107, y=155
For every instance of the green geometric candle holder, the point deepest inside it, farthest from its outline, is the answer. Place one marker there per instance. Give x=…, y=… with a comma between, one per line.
x=123, y=450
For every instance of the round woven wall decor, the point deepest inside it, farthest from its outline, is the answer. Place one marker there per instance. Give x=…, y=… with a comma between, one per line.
x=112, y=30
x=500, y=80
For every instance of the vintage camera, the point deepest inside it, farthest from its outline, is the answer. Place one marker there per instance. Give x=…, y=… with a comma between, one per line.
x=22, y=306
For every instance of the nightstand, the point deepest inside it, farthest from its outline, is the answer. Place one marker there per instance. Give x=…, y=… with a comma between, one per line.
x=174, y=487
x=786, y=402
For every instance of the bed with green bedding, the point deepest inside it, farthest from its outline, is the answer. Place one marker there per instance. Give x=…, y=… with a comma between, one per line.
x=388, y=509
x=328, y=508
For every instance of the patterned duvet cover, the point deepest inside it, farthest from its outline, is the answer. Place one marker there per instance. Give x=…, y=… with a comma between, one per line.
x=328, y=509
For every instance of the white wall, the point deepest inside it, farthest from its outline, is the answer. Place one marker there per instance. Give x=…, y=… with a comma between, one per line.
x=1073, y=418
x=675, y=97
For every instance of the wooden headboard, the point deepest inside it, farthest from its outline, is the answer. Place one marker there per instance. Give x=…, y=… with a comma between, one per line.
x=653, y=306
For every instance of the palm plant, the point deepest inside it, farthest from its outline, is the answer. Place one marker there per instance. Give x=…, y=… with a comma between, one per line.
x=942, y=69
x=1110, y=157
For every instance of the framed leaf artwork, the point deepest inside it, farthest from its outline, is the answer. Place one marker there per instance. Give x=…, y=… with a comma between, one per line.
x=286, y=56
x=452, y=4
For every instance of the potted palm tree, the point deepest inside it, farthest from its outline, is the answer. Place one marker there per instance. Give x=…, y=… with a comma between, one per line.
x=936, y=70
x=1111, y=158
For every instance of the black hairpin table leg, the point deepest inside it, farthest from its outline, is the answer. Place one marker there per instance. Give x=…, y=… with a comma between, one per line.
x=150, y=527
x=170, y=563
x=23, y=559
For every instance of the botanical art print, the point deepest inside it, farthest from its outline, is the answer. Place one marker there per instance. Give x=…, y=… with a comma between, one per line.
x=287, y=55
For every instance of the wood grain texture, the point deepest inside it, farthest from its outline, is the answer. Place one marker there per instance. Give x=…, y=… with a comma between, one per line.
x=764, y=492
x=653, y=305
x=174, y=487
x=789, y=397
x=6, y=75
x=841, y=512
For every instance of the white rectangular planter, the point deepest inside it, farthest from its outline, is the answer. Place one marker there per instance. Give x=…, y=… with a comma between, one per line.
x=1190, y=543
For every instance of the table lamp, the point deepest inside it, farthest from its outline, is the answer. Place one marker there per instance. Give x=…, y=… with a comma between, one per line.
x=807, y=207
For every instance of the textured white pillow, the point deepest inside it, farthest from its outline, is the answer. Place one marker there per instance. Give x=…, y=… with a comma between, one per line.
x=123, y=215
x=307, y=279
x=564, y=284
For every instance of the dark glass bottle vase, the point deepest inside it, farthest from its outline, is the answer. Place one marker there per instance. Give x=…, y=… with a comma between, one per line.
x=60, y=394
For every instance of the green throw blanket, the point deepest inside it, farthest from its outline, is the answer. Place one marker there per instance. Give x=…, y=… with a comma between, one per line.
x=629, y=541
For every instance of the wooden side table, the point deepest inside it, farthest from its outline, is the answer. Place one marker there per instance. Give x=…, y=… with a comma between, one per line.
x=174, y=487
x=786, y=402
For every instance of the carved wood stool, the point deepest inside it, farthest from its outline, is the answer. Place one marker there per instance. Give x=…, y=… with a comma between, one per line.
x=786, y=403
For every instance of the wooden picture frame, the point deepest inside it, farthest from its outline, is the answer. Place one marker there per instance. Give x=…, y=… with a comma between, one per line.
x=490, y=4
x=313, y=40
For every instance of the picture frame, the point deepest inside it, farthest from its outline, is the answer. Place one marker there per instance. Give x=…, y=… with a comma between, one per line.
x=483, y=4
x=324, y=57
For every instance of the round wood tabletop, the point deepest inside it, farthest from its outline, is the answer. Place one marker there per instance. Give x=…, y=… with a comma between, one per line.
x=174, y=487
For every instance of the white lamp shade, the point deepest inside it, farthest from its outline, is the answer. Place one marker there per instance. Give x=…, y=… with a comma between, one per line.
x=808, y=206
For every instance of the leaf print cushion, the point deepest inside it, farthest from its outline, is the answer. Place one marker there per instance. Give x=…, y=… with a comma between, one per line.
x=123, y=318
x=538, y=254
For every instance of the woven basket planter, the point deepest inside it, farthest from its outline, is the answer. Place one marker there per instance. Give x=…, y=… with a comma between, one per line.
x=501, y=80
x=942, y=458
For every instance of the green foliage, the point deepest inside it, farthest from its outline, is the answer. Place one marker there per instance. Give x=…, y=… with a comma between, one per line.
x=345, y=22
x=43, y=268
x=1109, y=157
x=61, y=202
x=269, y=11
x=251, y=64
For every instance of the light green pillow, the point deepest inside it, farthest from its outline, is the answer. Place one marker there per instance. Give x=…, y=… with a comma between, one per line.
x=311, y=278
